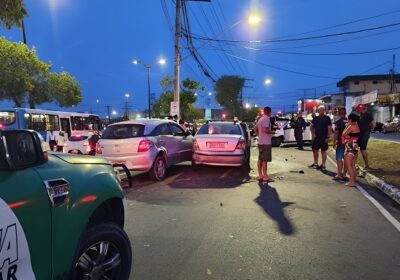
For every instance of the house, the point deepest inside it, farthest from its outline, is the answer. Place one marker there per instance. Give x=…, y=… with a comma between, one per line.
x=380, y=92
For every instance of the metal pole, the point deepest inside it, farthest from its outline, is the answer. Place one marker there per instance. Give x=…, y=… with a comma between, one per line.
x=148, y=88
x=23, y=30
x=177, y=54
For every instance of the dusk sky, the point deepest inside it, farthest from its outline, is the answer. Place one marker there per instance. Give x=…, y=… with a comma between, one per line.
x=96, y=42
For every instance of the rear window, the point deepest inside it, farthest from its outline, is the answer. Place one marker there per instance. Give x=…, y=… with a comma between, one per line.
x=7, y=118
x=219, y=128
x=76, y=138
x=123, y=131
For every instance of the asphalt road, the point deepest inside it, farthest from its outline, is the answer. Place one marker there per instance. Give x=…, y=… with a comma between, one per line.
x=220, y=223
x=392, y=137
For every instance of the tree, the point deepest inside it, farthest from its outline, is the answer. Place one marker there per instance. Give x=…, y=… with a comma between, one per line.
x=228, y=89
x=12, y=12
x=23, y=77
x=20, y=71
x=161, y=106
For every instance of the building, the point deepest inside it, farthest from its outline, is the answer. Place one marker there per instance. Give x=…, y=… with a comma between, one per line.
x=333, y=101
x=379, y=92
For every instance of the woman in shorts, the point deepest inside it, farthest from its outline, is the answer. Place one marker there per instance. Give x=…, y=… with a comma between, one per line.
x=349, y=138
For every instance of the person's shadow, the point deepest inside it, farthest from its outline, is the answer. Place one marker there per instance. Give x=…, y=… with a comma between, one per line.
x=269, y=200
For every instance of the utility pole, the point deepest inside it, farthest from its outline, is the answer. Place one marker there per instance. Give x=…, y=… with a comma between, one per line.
x=148, y=89
x=177, y=54
x=108, y=111
x=392, y=79
x=177, y=60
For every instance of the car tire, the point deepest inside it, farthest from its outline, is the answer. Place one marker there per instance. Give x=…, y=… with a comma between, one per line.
x=115, y=244
x=195, y=166
x=159, y=169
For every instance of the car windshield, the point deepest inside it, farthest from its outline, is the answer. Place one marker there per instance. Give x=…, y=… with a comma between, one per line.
x=123, y=131
x=220, y=128
x=76, y=138
x=7, y=118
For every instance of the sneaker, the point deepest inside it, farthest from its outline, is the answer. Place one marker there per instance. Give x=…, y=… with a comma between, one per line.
x=315, y=166
x=322, y=167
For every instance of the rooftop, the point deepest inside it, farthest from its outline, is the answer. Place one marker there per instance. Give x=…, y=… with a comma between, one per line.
x=355, y=78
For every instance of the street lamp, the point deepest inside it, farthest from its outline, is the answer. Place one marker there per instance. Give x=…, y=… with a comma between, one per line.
x=161, y=61
x=114, y=112
x=254, y=19
x=267, y=81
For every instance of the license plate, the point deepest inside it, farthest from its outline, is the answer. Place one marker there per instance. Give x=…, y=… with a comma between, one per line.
x=118, y=162
x=216, y=145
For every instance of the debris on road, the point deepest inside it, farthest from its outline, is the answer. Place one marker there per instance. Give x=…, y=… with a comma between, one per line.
x=209, y=272
x=221, y=204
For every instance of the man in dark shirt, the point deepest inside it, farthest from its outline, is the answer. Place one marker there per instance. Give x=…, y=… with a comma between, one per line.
x=321, y=127
x=340, y=125
x=366, y=123
x=299, y=125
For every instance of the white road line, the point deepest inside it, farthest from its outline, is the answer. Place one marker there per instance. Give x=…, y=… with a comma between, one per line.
x=226, y=173
x=381, y=209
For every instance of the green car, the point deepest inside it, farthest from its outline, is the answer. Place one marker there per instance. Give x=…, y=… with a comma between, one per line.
x=61, y=216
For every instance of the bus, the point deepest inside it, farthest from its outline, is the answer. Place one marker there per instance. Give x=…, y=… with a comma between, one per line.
x=49, y=123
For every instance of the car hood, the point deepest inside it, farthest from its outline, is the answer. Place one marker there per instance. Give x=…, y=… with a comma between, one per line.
x=76, y=159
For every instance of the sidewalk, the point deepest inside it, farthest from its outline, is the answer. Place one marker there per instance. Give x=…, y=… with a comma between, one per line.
x=384, y=160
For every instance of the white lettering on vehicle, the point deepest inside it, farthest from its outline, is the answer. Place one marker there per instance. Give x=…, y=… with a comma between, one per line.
x=15, y=260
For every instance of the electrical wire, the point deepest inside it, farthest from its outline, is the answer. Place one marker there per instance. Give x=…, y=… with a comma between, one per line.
x=302, y=38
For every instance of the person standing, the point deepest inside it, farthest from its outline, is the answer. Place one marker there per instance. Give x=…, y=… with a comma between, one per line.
x=350, y=137
x=264, y=132
x=321, y=127
x=340, y=125
x=366, y=123
x=299, y=125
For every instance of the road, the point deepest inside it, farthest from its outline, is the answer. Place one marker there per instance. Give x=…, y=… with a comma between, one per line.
x=220, y=223
x=392, y=137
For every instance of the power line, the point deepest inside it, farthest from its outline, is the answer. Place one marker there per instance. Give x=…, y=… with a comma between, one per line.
x=341, y=24
x=284, y=69
x=337, y=54
x=302, y=38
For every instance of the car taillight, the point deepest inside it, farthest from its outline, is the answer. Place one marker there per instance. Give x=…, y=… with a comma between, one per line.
x=195, y=146
x=241, y=145
x=98, y=149
x=144, y=146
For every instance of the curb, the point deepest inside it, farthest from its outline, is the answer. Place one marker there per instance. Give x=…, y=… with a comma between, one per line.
x=390, y=190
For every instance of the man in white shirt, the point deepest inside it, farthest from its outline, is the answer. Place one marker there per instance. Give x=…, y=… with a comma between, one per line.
x=264, y=133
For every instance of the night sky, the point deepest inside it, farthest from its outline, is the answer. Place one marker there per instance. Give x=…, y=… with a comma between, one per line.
x=96, y=42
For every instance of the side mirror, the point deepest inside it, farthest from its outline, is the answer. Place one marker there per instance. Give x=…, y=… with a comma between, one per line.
x=20, y=149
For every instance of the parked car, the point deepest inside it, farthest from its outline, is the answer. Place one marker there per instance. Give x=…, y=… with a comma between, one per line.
x=84, y=144
x=222, y=144
x=147, y=145
x=392, y=126
x=61, y=216
x=285, y=134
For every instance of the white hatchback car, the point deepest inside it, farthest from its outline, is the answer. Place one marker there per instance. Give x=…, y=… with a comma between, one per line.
x=81, y=144
x=147, y=145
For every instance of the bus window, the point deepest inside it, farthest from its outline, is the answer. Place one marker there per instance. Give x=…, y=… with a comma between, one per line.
x=38, y=122
x=27, y=121
x=7, y=118
x=52, y=123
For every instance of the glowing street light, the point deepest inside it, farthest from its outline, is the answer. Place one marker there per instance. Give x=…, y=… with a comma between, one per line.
x=210, y=93
x=247, y=105
x=254, y=19
x=127, y=95
x=114, y=112
x=161, y=61
x=268, y=81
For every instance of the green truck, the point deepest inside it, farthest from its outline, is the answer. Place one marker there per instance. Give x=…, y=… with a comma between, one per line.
x=61, y=216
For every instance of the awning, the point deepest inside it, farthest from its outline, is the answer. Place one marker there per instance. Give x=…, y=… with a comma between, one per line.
x=389, y=99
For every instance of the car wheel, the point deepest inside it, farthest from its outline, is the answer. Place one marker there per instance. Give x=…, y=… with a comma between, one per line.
x=159, y=169
x=104, y=253
x=195, y=166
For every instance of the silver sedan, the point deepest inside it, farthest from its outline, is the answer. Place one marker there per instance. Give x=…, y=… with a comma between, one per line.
x=221, y=144
x=148, y=145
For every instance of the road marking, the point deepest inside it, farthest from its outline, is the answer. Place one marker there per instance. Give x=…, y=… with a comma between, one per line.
x=225, y=174
x=379, y=206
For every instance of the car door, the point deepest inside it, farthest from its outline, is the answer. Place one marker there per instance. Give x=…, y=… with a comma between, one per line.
x=184, y=143
x=25, y=226
x=167, y=141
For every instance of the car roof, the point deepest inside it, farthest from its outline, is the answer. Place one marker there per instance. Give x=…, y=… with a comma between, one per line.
x=148, y=124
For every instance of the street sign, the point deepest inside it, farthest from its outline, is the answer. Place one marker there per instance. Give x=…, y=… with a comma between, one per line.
x=174, y=108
